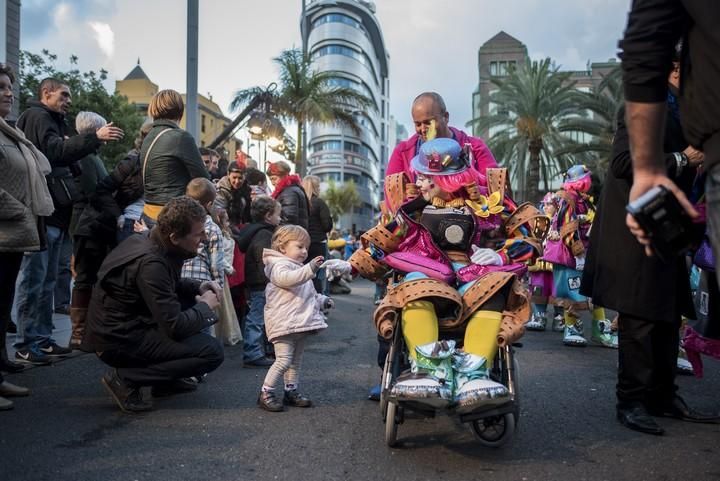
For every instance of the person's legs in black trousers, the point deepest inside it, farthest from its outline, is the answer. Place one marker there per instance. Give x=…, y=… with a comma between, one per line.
x=160, y=360
x=9, y=269
x=637, y=376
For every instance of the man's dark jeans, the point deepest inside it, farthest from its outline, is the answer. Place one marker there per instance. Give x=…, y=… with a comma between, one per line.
x=157, y=359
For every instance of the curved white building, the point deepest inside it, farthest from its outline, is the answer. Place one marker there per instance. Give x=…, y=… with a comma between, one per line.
x=344, y=36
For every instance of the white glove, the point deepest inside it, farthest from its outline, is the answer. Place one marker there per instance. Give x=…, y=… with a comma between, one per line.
x=121, y=221
x=485, y=257
x=580, y=263
x=337, y=266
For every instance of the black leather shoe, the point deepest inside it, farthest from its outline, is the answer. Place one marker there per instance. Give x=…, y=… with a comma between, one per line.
x=638, y=419
x=7, y=365
x=678, y=409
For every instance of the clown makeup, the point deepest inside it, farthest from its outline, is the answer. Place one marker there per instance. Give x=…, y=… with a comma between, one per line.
x=427, y=187
x=549, y=209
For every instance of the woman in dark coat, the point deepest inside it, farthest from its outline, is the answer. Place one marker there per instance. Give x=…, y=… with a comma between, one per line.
x=649, y=295
x=289, y=192
x=320, y=224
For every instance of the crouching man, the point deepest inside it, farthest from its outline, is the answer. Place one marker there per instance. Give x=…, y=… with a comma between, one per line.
x=145, y=321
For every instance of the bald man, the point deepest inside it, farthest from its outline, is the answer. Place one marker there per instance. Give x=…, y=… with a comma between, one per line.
x=429, y=113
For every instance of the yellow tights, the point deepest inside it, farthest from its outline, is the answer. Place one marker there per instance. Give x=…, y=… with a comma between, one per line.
x=420, y=326
x=598, y=314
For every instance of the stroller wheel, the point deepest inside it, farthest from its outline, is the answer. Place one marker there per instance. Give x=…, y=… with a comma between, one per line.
x=494, y=431
x=391, y=424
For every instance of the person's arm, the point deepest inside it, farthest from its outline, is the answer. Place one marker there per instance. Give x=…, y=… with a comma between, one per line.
x=654, y=27
x=286, y=277
x=290, y=208
x=190, y=155
x=484, y=159
x=10, y=207
x=395, y=164
x=155, y=286
x=216, y=256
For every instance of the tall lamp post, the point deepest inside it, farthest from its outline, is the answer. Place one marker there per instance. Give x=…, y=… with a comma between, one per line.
x=191, y=121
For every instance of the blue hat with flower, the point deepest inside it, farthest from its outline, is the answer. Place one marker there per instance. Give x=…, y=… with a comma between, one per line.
x=440, y=156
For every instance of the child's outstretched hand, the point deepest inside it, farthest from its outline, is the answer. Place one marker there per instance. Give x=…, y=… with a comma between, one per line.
x=317, y=262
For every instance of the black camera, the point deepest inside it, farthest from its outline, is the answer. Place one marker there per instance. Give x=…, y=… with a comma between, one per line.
x=663, y=218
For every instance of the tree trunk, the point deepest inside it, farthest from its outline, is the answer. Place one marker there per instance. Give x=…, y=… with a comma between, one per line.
x=300, y=161
x=533, y=178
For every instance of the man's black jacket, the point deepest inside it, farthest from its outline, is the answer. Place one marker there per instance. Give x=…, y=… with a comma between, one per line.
x=47, y=129
x=654, y=28
x=138, y=290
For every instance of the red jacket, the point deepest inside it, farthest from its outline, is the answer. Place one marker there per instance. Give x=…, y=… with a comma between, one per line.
x=406, y=150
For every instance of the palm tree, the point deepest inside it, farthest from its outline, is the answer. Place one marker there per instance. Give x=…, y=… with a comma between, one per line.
x=600, y=108
x=307, y=95
x=341, y=199
x=532, y=101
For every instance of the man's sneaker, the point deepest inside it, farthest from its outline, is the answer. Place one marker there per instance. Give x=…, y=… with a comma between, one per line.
x=176, y=386
x=294, y=398
x=128, y=398
x=52, y=349
x=259, y=362
x=32, y=355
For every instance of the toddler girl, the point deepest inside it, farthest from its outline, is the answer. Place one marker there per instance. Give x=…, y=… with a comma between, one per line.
x=292, y=313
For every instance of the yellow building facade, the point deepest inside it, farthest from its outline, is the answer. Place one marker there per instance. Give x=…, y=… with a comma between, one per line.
x=139, y=89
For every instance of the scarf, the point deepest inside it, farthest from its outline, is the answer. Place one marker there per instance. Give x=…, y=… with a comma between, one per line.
x=284, y=183
x=38, y=167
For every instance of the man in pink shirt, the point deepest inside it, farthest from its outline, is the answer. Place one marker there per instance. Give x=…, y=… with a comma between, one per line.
x=428, y=109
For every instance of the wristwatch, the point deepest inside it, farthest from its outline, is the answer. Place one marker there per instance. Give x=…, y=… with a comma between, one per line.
x=681, y=161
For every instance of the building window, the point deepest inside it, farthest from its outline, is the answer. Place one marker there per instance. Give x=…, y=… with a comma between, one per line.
x=361, y=57
x=493, y=68
x=360, y=87
x=339, y=18
x=202, y=123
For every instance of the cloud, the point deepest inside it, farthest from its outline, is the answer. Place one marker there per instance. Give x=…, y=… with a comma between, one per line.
x=104, y=36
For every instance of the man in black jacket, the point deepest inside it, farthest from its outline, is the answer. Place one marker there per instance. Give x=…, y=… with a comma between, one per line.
x=142, y=319
x=653, y=29
x=44, y=125
x=649, y=319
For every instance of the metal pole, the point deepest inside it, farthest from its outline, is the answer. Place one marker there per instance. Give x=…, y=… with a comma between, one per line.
x=191, y=109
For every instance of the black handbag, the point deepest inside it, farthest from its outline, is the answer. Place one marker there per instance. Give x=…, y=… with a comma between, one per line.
x=62, y=187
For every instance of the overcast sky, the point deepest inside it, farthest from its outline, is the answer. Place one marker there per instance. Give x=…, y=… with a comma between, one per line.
x=432, y=44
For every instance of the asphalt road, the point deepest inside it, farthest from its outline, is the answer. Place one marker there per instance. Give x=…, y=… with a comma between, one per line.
x=69, y=429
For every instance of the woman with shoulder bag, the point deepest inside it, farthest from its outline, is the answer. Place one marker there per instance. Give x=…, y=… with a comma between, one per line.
x=24, y=197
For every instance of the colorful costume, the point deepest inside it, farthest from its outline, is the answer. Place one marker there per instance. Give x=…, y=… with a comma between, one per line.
x=567, y=242
x=541, y=282
x=457, y=250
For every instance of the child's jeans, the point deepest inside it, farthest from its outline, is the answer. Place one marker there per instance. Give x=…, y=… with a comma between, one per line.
x=288, y=358
x=254, y=346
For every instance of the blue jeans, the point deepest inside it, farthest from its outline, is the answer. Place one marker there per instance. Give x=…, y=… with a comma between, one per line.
x=64, y=276
x=34, y=292
x=253, y=345
x=126, y=231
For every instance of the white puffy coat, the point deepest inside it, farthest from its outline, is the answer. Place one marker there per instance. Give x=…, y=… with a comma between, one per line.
x=291, y=302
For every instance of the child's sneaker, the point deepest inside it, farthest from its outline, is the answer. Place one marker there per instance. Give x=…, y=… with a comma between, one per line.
x=294, y=398
x=537, y=322
x=558, y=323
x=268, y=401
